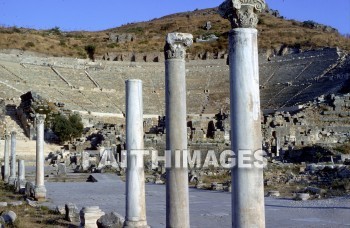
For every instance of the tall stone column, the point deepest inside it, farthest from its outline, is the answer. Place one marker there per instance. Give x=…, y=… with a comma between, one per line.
x=247, y=180
x=12, y=177
x=6, y=174
x=177, y=204
x=40, y=190
x=135, y=176
x=21, y=180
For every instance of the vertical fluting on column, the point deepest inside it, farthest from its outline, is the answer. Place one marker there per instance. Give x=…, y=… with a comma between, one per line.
x=6, y=174
x=12, y=177
x=247, y=182
x=135, y=177
x=177, y=202
x=40, y=190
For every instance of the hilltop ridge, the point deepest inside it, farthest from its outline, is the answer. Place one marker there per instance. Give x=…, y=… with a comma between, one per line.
x=275, y=35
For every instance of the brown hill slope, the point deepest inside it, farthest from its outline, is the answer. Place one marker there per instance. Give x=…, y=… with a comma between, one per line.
x=275, y=32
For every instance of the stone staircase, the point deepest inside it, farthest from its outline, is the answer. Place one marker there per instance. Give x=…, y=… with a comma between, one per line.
x=25, y=148
x=13, y=123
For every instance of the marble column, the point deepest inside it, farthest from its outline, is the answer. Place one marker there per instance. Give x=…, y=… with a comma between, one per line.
x=12, y=177
x=135, y=176
x=21, y=180
x=6, y=174
x=247, y=181
x=40, y=190
x=177, y=203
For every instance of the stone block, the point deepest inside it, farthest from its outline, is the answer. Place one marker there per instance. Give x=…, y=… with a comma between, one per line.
x=273, y=193
x=302, y=196
x=72, y=213
x=9, y=217
x=15, y=203
x=29, y=190
x=111, y=220
x=89, y=216
x=61, y=171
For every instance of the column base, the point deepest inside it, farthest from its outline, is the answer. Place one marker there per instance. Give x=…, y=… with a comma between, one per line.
x=6, y=179
x=40, y=193
x=20, y=186
x=135, y=224
x=12, y=181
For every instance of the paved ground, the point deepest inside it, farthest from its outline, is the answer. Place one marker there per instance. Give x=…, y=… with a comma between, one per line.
x=207, y=208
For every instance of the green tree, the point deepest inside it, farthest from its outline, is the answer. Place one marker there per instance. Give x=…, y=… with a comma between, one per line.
x=76, y=125
x=67, y=128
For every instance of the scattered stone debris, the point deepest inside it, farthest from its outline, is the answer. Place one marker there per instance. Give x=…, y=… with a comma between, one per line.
x=8, y=217
x=3, y=204
x=91, y=178
x=72, y=213
x=15, y=203
x=302, y=196
x=111, y=220
x=60, y=210
x=31, y=203
x=273, y=193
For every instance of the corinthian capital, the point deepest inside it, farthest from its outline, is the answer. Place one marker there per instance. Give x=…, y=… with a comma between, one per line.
x=40, y=118
x=242, y=13
x=176, y=44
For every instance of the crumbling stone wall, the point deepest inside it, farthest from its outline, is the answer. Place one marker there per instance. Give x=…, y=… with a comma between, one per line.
x=323, y=122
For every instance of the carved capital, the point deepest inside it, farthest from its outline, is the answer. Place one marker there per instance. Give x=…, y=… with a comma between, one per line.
x=242, y=13
x=13, y=134
x=176, y=44
x=7, y=136
x=40, y=118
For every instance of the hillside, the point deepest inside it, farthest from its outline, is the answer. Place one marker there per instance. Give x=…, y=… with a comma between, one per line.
x=275, y=32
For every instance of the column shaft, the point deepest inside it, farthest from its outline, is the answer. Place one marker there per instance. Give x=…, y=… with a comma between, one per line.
x=40, y=190
x=6, y=159
x=135, y=179
x=247, y=183
x=12, y=177
x=21, y=170
x=177, y=202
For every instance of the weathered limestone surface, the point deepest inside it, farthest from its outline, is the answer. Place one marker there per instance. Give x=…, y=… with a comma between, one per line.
x=247, y=182
x=177, y=202
x=21, y=180
x=135, y=180
x=284, y=80
x=89, y=216
x=12, y=177
x=40, y=190
x=72, y=213
x=6, y=173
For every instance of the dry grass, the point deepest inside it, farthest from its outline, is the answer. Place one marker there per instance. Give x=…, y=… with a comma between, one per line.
x=274, y=32
x=27, y=216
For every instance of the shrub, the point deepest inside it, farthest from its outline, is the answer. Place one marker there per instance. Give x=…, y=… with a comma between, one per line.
x=55, y=30
x=90, y=50
x=62, y=42
x=29, y=44
x=67, y=128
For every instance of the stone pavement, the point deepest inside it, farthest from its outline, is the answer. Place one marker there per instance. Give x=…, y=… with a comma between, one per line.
x=207, y=208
